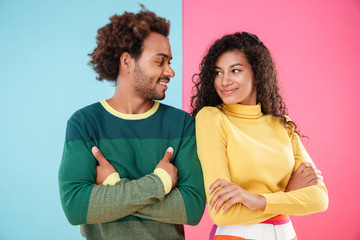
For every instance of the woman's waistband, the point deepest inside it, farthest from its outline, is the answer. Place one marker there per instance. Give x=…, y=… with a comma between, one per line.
x=278, y=220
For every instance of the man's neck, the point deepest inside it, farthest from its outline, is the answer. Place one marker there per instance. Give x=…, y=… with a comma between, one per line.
x=126, y=101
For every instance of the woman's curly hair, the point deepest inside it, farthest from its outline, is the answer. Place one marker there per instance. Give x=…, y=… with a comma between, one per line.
x=124, y=33
x=263, y=67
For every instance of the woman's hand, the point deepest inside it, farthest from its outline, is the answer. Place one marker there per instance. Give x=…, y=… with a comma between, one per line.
x=230, y=194
x=104, y=169
x=306, y=175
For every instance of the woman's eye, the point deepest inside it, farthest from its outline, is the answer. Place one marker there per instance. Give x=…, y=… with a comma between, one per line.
x=236, y=70
x=218, y=73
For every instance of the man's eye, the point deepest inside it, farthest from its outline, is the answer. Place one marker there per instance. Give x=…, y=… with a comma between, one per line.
x=160, y=62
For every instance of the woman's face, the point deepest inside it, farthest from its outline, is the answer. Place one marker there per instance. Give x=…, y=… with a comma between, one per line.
x=234, y=80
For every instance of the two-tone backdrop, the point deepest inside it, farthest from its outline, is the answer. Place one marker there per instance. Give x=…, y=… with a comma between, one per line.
x=44, y=78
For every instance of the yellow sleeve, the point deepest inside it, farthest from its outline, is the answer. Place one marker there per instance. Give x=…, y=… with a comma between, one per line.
x=211, y=139
x=302, y=201
x=165, y=179
x=112, y=179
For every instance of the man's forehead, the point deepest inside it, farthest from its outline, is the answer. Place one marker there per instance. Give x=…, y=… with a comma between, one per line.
x=157, y=45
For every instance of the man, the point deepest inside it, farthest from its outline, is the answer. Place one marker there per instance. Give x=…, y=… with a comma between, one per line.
x=159, y=185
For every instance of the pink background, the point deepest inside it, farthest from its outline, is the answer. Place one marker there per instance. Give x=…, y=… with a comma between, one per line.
x=316, y=46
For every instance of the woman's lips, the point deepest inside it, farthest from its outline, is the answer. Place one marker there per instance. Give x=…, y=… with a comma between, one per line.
x=228, y=92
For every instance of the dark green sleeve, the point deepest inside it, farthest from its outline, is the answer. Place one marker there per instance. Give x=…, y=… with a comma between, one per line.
x=185, y=204
x=83, y=201
x=191, y=183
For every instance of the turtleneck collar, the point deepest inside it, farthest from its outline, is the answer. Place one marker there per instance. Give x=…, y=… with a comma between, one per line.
x=243, y=111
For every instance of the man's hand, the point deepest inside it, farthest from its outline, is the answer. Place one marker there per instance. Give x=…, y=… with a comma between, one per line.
x=306, y=175
x=104, y=169
x=168, y=167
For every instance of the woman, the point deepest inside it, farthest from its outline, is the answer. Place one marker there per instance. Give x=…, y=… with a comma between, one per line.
x=248, y=148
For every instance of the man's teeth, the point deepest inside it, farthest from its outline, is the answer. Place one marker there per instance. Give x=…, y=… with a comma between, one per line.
x=163, y=83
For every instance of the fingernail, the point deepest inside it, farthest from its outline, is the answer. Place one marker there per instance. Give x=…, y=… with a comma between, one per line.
x=95, y=149
x=214, y=211
x=222, y=211
x=170, y=149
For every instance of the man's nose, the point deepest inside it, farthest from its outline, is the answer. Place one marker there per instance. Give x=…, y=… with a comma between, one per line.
x=169, y=72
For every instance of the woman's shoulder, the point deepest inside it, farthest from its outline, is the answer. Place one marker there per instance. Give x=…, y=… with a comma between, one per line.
x=290, y=128
x=207, y=112
x=210, y=116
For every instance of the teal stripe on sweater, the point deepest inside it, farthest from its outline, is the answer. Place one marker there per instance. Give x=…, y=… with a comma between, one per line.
x=97, y=123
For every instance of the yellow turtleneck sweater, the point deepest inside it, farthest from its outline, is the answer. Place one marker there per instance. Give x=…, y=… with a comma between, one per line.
x=241, y=145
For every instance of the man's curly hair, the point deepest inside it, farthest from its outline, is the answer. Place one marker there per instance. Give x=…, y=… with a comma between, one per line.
x=263, y=67
x=124, y=33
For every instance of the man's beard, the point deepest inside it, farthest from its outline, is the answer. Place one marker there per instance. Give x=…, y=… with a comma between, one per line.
x=144, y=85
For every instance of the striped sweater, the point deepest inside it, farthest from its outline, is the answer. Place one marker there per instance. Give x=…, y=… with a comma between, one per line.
x=136, y=207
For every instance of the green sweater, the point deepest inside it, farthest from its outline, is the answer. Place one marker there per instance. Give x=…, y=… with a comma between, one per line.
x=136, y=207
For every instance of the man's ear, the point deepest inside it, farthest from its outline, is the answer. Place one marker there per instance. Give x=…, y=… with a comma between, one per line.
x=126, y=61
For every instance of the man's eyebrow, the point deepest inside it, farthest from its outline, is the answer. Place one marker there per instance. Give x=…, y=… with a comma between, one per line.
x=163, y=55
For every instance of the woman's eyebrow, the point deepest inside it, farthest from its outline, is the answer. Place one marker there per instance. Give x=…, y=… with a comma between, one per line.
x=235, y=64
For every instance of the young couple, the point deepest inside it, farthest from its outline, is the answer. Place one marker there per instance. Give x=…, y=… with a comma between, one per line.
x=130, y=167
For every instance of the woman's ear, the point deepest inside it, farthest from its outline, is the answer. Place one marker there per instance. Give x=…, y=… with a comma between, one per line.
x=256, y=82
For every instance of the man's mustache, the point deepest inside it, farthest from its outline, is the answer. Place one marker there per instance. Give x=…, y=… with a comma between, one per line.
x=164, y=78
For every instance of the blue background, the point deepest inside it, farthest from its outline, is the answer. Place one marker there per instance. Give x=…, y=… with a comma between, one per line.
x=44, y=79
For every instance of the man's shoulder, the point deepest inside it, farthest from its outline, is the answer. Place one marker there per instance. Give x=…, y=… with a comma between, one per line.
x=174, y=112
x=87, y=112
x=178, y=120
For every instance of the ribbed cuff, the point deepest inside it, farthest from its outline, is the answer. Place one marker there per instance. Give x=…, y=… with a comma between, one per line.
x=165, y=178
x=112, y=179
